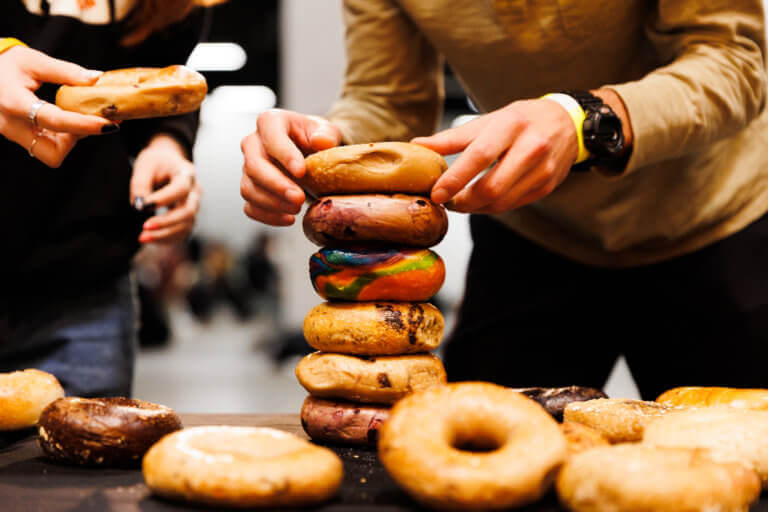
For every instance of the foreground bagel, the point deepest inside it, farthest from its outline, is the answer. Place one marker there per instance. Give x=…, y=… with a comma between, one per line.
x=381, y=167
x=103, y=431
x=382, y=380
x=137, y=93
x=395, y=275
x=581, y=438
x=729, y=434
x=241, y=467
x=375, y=219
x=554, y=400
x=374, y=328
x=639, y=478
x=703, y=396
x=471, y=446
x=342, y=422
x=24, y=395
x=620, y=420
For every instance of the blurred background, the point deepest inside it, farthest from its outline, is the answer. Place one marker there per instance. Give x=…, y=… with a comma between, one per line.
x=222, y=314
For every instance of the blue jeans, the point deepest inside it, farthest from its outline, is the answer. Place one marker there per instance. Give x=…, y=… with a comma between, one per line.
x=88, y=340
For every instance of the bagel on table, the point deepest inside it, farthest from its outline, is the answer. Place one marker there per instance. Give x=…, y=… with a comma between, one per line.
x=554, y=400
x=342, y=422
x=375, y=168
x=580, y=438
x=137, y=93
x=374, y=328
x=695, y=396
x=413, y=275
x=241, y=467
x=23, y=396
x=103, y=431
x=380, y=380
x=620, y=420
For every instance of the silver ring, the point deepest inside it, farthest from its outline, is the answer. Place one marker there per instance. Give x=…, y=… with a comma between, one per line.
x=32, y=147
x=36, y=106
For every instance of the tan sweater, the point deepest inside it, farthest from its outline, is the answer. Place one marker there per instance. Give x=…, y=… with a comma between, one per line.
x=691, y=74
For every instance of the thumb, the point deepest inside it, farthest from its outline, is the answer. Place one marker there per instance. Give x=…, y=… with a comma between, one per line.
x=142, y=181
x=47, y=69
x=325, y=135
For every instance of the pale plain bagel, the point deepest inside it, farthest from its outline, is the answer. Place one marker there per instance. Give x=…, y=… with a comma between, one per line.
x=620, y=420
x=241, y=467
x=24, y=395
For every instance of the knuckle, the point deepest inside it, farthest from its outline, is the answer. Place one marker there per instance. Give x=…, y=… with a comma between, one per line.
x=486, y=190
x=539, y=145
x=483, y=154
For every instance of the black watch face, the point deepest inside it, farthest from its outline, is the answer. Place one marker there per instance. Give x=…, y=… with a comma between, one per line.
x=602, y=133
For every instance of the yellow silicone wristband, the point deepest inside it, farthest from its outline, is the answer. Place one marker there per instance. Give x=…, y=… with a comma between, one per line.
x=6, y=43
x=578, y=116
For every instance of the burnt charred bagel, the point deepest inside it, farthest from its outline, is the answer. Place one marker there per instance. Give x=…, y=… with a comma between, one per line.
x=471, y=446
x=24, y=395
x=342, y=422
x=375, y=168
x=379, y=380
x=103, y=431
x=241, y=467
x=374, y=328
x=554, y=400
x=375, y=219
x=137, y=93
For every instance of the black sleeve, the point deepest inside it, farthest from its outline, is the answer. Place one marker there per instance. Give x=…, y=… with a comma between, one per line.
x=170, y=46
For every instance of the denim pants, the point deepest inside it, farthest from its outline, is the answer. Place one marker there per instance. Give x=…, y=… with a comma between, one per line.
x=88, y=340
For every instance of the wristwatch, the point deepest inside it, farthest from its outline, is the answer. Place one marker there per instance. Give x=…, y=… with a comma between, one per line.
x=603, y=136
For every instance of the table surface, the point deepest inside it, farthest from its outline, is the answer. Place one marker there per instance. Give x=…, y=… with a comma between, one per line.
x=28, y=482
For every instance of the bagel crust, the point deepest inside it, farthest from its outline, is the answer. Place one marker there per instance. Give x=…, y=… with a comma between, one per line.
x=693, y=396
x=137, y=93
x=382, y=380
x=640, y=478
x=342, y=422
x=620, y=420
x=380, y=167
x=374, y=328
x=241, y=467
x=426, y=447
x=581, y=438
x=24, y=395
x=368, y=274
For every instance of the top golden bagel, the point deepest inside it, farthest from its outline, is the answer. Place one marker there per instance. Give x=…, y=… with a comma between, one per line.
x=137, y=93
x=379, y=167
x=695, y=396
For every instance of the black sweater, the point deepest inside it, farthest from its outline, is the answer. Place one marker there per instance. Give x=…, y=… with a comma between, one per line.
x=66, y=229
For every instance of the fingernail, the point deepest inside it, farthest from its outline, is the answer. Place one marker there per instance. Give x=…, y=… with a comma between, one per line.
x=138, y=203
x=440, y=195
x=145, y=237
x=110, y=128
x=149, y=226
x=92, y=74
x=293, y=196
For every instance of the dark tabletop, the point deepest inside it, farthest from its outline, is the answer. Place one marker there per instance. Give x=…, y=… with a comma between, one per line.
x=28, y=482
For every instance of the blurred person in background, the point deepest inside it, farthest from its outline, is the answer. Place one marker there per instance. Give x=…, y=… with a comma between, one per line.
x=68, y=182
x=653, y=246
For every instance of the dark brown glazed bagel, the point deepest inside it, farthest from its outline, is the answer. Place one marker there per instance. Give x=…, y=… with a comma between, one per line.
x=375, y=219
x=103, y=431
x=340, y=422
x=554, y=400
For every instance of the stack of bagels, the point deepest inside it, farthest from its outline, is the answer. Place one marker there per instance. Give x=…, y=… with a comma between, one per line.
x=375, y=224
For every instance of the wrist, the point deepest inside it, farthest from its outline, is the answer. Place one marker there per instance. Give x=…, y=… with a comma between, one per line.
x=577, y=115
x=6, y=43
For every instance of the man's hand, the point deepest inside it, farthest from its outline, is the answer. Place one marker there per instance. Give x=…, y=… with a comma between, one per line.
x=274, y=158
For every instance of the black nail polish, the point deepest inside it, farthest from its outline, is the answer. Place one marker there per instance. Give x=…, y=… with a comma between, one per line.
x=110, y=128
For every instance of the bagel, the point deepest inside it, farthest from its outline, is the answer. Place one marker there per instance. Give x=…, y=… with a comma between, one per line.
x=382, y=380
x=554, y=400
x=241, y=467
x=103, y=431
x=342, y=422
x=581, y=438
x=620, y=420
x=471, y=446
x=374, y=328
x=137, y=93
x=375, y=219
x=380, y=167
x=24, y=395
x=756, y=399
x=729, y=434
x=640, y=478
x=365, y=275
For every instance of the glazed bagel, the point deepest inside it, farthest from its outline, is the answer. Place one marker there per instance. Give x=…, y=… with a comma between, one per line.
x=471, y=446
x=375, y=219
x=581, y=438
x=620, y=420
x=756, y=399
x=24, y=395
x=381, y=380
x=376, y=168
x=640, y=478
x=137, y=93
x=554, y=400
x=342, y=422
x=241, y=467
x=368, y=274
x=103, y=431
x=374, y=328
x=729, y=434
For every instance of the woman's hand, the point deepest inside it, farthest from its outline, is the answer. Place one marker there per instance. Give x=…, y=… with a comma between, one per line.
x=162, y=176
x=533, y=143
x=23, y=71
x=274, y=157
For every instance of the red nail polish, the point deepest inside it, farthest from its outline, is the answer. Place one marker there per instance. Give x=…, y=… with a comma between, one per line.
x=149, y=225
x=144, y=238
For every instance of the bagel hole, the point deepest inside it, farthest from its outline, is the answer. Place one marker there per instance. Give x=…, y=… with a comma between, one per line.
x=477, y=439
